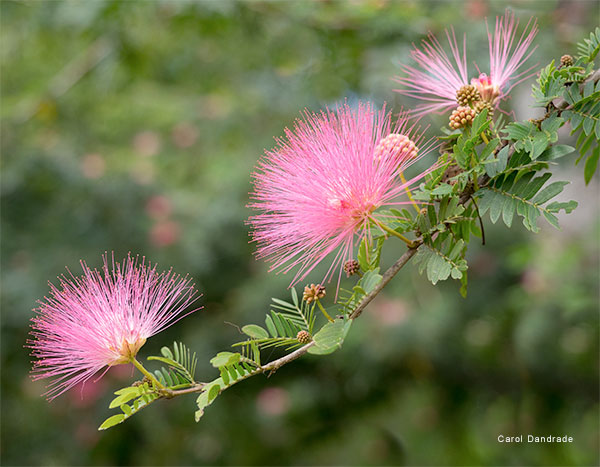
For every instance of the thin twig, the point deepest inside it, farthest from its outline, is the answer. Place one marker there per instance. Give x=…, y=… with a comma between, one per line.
x=273, y=366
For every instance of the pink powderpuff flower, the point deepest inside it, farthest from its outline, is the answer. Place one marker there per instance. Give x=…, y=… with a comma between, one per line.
x=318, y=191
x=437, y=77
x=102, y=319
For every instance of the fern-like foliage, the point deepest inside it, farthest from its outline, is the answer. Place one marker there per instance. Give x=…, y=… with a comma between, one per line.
x=523, y=195
x=129, y=400
x=446, y=228
x=181, y=366
x=283, y=323
x=589, y=47
x=233, y=367
x=584, y=115
x=442, y=257
x=179, y=373
x=578, y=87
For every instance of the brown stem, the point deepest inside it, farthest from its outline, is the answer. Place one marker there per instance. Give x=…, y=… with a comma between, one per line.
x=273, y=366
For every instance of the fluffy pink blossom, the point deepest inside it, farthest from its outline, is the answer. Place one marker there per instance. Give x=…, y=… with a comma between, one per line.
x=318, y=191
x=102, y=319
x=437, y=77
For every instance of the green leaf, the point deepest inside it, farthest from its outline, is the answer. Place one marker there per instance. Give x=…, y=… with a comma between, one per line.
x=176, y=352
x=591, y=164
x=330, y=337
x=362, y=255
x=496, y=210
x=489, y=149
x=369, y=255
x=167, y=353
x=181, y=360
x=549, y=192
x=517, y=131
x=167, y=377
x=441, y=190
x=538, y=145
x=480, y=123
x=370, y=280
x=112, y=421
x=213, y=392
x=125, y=395
x=508, y=210
x=566, y=206
x=283, y=303
x=255, y=331
x=279, y=325
x=271, y=326
x=438, y=269
x=441, y=258
x=225, y=359
x=556, y=152
x=207, y=397
x=495, y=166
x=294, y=296
x=551, y=218
x=534, y=186
x=551, y=125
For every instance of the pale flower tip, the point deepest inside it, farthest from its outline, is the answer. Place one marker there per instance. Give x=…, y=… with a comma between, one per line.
x=128, y=351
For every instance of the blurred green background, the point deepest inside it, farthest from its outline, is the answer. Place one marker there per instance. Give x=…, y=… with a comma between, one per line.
x=134, y=126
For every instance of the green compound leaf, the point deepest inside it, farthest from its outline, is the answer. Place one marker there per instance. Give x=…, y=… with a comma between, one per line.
x=181, y=362
x=532, y=140
x=504, y=197
x=124, y=395
x=549, y=85
x=442, y=258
